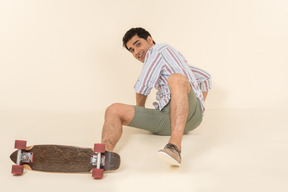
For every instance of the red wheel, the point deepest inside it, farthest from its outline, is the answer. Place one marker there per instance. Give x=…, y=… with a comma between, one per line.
x=100, y=148
x=97, y=173
x=17, y=169
x=20, y=144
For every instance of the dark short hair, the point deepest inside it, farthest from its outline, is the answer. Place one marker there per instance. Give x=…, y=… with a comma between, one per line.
x=140, y=32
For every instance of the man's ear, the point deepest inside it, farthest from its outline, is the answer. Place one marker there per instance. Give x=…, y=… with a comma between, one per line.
x=150, y=40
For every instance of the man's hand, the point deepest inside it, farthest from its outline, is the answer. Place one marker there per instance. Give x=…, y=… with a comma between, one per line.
x=140, y=100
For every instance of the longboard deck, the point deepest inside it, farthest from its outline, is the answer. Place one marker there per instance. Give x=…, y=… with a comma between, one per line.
x=66, y=159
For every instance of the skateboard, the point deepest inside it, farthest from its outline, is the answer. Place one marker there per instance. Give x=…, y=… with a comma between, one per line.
x=63, y=159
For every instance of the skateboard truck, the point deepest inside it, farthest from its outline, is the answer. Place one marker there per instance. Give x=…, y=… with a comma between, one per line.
x=94, y=160
x=97, y=173
x=22, y=157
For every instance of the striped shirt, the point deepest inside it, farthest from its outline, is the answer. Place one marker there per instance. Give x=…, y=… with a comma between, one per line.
x=161, y=61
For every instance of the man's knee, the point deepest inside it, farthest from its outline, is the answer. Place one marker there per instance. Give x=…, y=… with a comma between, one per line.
x=177, y=80
x=113, y=109
x=122, y=111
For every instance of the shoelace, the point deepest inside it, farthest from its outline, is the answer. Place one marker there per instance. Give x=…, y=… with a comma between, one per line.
x=173, y=147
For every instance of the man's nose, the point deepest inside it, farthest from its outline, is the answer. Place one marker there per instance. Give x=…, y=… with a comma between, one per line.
x=136, y=51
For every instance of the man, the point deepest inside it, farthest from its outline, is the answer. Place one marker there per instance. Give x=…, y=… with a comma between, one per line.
x=182, y=90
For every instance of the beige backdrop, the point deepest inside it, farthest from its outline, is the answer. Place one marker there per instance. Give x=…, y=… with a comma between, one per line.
x=62, y=63
x=67, y=55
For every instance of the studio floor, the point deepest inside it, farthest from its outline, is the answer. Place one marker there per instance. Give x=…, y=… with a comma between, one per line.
x=232, y=151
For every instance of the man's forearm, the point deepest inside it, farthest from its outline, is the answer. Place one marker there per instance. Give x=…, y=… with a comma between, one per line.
x=140, y=100
x=205, y=95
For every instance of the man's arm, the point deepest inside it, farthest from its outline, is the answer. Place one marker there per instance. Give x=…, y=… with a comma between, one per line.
x=205, y=94
x=140, y=100
x=203, y=78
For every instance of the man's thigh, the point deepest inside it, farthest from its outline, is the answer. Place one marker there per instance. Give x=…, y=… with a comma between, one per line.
x=159, y=122
x=151, y=120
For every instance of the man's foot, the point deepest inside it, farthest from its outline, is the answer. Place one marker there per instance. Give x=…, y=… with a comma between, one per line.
x=170, y=154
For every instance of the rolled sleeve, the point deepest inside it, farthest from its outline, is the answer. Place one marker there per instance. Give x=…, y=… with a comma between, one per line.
x=203, y=78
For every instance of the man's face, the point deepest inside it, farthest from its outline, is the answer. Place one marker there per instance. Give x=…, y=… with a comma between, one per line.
x=139, y=47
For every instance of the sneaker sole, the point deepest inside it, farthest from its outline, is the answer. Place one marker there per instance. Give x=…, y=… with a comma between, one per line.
x=164, y=157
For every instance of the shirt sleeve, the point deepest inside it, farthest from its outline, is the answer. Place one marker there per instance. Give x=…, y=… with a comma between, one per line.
x=203, y=78
x=150, y=74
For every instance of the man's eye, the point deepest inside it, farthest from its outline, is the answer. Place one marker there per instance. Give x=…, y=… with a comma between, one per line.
x=138, y=44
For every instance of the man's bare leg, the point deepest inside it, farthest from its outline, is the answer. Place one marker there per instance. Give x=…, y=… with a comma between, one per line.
x=179, y=108
x=116, y=116
x=179, y=88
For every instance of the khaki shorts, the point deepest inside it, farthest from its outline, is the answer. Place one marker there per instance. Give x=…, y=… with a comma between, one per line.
x=158, y=122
